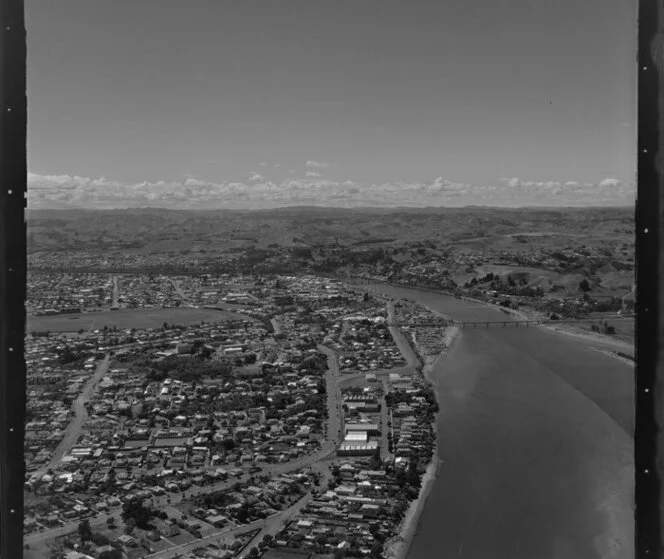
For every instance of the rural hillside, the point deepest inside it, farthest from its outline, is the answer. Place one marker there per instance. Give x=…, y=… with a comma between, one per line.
x=158, y=230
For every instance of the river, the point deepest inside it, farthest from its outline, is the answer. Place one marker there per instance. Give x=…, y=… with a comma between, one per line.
x=535, y=437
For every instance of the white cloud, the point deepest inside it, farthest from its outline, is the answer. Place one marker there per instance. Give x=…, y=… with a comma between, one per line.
x=191, y=181
x=316, y=164
x=193, y=193
x=255, y=177
x=312, y=174
x=262, y=164
x=442, y=185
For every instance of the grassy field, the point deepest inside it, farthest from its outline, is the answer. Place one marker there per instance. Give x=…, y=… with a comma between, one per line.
x=124, y=319
x=625, y=329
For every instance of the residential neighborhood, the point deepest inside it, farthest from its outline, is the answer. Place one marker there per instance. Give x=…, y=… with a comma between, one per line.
x=294, y=416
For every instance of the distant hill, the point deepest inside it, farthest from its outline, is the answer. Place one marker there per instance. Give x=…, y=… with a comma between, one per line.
x=158, y=230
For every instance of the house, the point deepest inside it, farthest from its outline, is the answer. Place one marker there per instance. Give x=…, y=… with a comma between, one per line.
x=154, y=535
x=170, y=529
x=127, y=541
x=183, y=348
x=216, y=520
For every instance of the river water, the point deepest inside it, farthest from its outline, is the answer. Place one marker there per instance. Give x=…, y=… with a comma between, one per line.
x=536, y=445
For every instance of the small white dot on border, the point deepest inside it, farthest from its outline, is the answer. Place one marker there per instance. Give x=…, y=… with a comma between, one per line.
x=10, y=191
x=647, y=389
x=645, y=230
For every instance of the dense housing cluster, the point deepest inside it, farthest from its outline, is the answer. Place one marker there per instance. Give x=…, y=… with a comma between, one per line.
x=277, y=421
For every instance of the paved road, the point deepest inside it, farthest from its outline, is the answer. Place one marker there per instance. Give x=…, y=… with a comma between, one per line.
x=273, y=524
x=327, y=451
x=116, y=292
x=275, y=325
x=269, y=525
x=73, y=430
x=334, y=401
x=384, y=419
x=179, y=291
x=175, y=498
x=399, y=338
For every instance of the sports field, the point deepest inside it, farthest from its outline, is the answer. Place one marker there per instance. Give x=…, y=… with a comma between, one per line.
x=124, y=319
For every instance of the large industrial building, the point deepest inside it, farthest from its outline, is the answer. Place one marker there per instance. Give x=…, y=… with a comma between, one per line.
x=357, y=448
x=370, y=428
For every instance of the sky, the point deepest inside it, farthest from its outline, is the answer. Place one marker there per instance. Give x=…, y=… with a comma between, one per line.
x=256, y=104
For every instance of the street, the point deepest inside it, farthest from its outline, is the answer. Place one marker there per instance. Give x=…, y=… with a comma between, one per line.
x=116, y=292
x=334, y=436
x=73, y=430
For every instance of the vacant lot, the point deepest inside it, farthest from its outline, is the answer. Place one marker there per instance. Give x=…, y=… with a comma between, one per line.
x=124, y=319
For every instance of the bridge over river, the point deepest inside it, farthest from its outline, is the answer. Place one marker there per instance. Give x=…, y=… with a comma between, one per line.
x=506, y=323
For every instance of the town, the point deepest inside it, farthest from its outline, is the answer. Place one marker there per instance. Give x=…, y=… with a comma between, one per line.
x=222, y=416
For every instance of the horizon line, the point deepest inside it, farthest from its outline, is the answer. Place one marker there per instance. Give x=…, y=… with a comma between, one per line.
x=303, y=207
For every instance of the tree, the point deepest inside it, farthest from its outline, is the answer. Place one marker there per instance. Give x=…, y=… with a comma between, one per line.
x=377, y=549
x=268, y=539
x=608, y=329
x=375, y=462
x=136, y=512
x=584, y=285
x=321, y=540
x=242, y=514
x=85, y=531
x=130, y=524
x=254, y=553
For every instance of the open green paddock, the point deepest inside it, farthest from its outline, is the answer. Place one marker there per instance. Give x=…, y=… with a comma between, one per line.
x=133, y=318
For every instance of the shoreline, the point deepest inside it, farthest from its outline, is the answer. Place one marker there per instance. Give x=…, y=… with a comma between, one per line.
x=596, y=339
x=616, y=345
x=399, y=546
